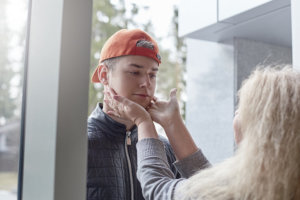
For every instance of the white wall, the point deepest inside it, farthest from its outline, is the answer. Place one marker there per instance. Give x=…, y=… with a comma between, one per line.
x=249, y=53
x=295, y=6
x=209, y=109
x=229, y=8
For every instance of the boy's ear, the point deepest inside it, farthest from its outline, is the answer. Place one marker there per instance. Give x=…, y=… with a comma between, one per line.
x=103, y=74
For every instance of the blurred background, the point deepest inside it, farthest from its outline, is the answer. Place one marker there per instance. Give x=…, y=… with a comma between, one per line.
x=158, y=18
x=13, y=21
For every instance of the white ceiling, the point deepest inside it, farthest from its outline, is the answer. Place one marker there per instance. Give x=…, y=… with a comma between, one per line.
x=273, y=26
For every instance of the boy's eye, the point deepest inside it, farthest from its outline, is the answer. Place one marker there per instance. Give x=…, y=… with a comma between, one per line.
x=135, y=73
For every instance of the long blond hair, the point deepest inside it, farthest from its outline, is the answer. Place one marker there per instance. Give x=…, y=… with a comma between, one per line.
x=266, y=165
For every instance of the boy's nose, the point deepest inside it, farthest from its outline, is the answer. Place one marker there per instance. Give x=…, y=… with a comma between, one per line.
x=145, y=82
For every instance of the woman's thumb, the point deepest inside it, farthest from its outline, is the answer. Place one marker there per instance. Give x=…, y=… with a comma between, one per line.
x=173, y=93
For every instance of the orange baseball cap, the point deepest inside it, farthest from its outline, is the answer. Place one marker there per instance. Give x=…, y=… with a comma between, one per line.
x=125, y=42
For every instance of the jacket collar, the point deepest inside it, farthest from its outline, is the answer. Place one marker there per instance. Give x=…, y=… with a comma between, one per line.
x=104, y=123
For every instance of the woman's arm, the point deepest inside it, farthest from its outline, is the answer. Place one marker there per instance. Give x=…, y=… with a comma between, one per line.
x=156, y=178
x=167, y=114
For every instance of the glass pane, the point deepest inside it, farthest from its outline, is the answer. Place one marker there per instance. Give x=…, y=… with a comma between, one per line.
x=13, y=21
x=110, y=16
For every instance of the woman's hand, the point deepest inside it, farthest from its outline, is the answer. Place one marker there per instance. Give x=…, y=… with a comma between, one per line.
x=122, y=107
x=165, y=112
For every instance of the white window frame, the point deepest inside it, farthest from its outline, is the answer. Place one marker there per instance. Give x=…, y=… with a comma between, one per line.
x=295, y=6
x=58, y=57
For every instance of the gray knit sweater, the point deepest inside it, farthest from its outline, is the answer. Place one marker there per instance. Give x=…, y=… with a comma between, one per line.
x=154, y=174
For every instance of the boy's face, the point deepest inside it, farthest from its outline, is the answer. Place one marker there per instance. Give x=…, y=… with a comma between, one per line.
x=134, y=77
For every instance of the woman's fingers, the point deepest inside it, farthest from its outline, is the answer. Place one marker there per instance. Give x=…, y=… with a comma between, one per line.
x=112, y=91
x=109, y=103
x=121, y=100
x=109, y=92
x=114, y=113
x=154, y=98
x=173, y=92
x=114, y=108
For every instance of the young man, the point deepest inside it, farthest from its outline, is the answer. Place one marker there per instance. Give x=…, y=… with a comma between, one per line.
x=129, y=63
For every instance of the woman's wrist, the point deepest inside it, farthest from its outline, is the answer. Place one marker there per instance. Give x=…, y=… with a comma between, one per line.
x=180, y=138
x=143, y=119
x=172, y=122
x=146, y=129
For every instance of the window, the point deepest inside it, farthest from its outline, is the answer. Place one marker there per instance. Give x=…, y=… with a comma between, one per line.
x=13, y=21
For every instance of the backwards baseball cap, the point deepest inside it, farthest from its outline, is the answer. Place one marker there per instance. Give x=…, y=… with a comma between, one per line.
x=127, y=42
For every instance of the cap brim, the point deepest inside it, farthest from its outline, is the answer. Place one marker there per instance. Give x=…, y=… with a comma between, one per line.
x=95, y=78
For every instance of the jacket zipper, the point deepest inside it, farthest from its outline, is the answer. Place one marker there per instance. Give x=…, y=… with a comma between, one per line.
x=128, y=142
